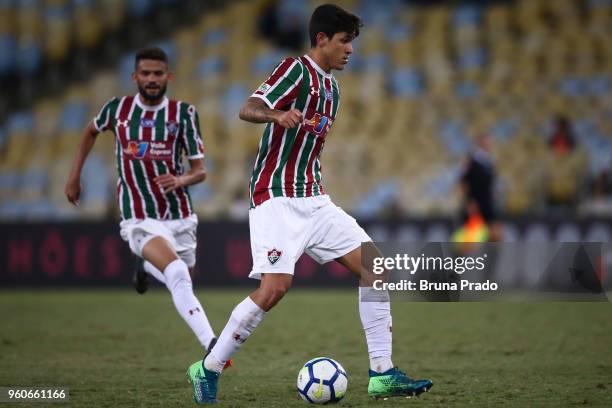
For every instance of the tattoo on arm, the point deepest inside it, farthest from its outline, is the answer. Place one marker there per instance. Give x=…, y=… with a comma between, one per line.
x=256, y=111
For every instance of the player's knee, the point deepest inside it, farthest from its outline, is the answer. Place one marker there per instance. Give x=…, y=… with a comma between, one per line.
x=276, y=293
x=272, y=295
x=177, y=276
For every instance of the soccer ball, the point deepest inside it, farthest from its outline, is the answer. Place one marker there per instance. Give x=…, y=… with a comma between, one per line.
x=322, y=380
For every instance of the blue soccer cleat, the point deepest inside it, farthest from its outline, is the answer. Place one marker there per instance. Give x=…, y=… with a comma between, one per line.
x=204, y=383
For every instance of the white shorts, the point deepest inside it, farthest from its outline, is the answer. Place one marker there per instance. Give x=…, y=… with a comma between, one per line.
x=181, y=234
x=282, y=228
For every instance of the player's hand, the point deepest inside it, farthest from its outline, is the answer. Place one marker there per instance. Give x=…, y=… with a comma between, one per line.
x=168, y=182
x=289, y=119
x=73, y=191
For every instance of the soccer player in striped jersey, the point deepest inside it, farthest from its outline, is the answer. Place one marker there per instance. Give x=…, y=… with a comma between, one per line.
x=291, y=212
x=152, y=134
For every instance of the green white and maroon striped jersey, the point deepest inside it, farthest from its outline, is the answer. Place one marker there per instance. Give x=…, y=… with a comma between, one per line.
x=150, y=141
x=287, y=162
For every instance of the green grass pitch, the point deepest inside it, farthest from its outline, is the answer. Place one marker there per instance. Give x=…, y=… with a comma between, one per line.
x=114, y=348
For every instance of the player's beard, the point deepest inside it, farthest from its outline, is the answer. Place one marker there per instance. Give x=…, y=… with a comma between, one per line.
x=144, y=92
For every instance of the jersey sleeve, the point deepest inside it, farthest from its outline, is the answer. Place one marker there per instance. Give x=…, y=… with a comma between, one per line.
x=280, y=88
x=103, y=120
x=192, y=138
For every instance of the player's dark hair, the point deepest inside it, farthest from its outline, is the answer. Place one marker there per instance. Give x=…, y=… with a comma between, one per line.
x=331, y=19
x=150, y=53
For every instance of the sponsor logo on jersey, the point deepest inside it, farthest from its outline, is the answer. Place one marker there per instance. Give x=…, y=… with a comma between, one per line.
x=149, y=150
x=329, y=95
x=123, y=123
x=147, y=123
x=172, y=128
x=318, y=124
x=274, y=255
x=136, y=149
x=314, y=91
x=161, y=151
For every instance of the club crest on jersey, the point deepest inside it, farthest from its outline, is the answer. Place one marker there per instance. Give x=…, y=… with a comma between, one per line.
x=274, y=255
x=136, y=149
x=172, y=128
x=318, y=123
x=147, y=123
x=329, y=95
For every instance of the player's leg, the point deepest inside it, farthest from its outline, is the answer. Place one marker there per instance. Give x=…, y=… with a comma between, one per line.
x=245, y=317
x=185, y=237
x=340, y=238
x=375, y=314
x=374, y=306
x=159, y=243
x=277, y=229
x=273, y=287
x=142, y=270
x=140, y=277
x=160, y=254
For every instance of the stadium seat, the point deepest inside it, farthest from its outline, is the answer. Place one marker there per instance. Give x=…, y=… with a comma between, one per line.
x=423, y=82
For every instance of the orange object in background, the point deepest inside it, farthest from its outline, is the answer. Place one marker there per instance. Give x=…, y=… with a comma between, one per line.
x=474, y=230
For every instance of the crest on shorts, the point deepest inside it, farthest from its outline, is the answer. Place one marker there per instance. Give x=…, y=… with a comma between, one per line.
x=274, y=255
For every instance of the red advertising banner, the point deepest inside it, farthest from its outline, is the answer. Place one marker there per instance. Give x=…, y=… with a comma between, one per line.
x=93, y=254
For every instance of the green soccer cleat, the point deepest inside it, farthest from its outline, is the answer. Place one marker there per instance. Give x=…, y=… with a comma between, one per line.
x=393, y=383
x=204, y=383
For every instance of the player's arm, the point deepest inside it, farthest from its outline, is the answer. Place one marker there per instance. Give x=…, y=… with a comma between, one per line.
x=194, y=148
x=255, y=110
x=196, y=174
x=73, y=185
x=270, y=102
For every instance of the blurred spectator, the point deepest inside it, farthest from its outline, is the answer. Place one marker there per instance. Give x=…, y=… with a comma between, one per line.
x=283, y=24
x=478, y=185
x=600, y=200
x=602, y=186
x=566, y=167
x=562, y=139
x=268, y=21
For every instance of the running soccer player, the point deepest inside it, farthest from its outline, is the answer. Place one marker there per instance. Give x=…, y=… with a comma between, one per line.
x=152, y=133
x=290, y=212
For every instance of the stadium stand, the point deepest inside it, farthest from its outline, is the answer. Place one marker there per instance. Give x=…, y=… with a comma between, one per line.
x=425, y=80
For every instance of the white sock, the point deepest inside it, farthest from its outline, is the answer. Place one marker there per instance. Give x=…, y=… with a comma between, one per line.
x=244, y=319
x=179, y=284
x=375, y=313
x=153, y=271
